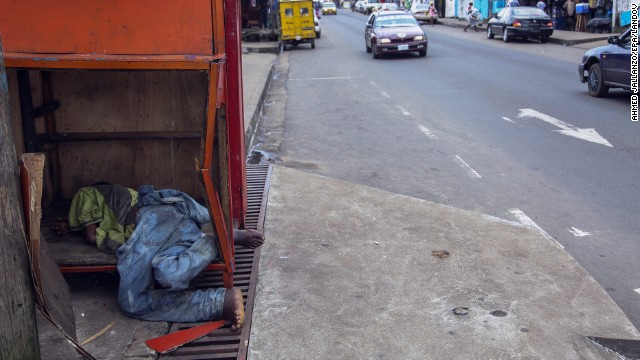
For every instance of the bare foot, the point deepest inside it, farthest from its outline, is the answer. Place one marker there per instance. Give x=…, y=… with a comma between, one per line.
x=248, y=238
x=233, y=309
x=61, y=226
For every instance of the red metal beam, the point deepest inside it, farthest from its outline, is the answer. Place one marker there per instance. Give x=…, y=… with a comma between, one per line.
x=235, y=111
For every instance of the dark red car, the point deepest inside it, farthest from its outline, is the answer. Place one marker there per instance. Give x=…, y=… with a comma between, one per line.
x=394, y=32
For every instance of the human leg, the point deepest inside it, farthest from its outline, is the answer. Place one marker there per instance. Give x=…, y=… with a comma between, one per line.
x=248, y=238
x=233, y=308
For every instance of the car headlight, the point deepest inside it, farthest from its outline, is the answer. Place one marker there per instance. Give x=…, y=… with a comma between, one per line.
x=384, y=41
x=418, y=38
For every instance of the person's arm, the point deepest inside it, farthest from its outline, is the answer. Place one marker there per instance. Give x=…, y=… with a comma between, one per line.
x=89, y=234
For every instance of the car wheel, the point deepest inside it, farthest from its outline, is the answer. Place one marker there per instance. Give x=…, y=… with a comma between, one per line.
x=368, y=48
x=595, y=82
x=489, y=33
x=319, y=34
x=375, y=52
x=544, y=39
x=505, y=35
x=313, y=44
x=422, y=53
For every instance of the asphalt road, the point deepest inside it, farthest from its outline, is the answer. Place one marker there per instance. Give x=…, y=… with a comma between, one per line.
x=477, y=124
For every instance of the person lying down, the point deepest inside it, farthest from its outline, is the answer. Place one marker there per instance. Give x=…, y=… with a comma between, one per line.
x=162, y=239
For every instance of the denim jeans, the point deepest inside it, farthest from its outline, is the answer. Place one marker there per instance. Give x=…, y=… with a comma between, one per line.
x=168, y=249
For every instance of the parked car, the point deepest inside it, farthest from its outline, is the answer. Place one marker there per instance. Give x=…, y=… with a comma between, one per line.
x=421, y=12
x=329, y=8
x=520, y=21
x=360, y=6
x=389, y=32
x=316, y=23
x=607, y=66
x=370, y=8
x=388, y=7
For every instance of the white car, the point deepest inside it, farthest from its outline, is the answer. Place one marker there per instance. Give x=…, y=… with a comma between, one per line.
x=421, y=12
x=360, y=6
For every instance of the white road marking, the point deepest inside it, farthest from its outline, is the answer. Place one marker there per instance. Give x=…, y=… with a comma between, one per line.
x=324, y=78
x=507, y=119
x=637, y=290
x=403, y=111
x=565, y=128
x=427, y=132
x=468, y=168
x=334, y=78
x=578, y=232
x=526, y=221
x=373, y=84
x=385, y=94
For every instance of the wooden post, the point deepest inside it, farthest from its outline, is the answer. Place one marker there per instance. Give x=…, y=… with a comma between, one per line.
x=18, y=332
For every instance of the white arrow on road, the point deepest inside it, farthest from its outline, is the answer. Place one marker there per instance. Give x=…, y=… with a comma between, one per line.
x=566, y=129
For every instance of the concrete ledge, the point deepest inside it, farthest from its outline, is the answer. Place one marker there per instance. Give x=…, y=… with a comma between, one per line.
x=354, y=272
x=257, y=73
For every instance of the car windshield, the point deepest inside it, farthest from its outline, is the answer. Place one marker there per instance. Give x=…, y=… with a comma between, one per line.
x=395, y=21
x=422, y=7
x=329, y=5
x=528, y=12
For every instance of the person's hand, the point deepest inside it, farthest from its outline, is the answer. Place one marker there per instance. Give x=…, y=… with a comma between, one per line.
x=61, y=226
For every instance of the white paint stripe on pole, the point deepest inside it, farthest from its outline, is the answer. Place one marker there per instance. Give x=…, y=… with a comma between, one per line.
x=468, y=168
x=507, y=119
x=403, y=111
x=385, y=94
x=427, y=132
x=526, y=221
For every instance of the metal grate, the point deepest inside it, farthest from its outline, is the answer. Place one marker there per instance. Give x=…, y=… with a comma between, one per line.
x=222, y=343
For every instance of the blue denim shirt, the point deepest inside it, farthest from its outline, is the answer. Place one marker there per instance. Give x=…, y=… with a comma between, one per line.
x=169, y=248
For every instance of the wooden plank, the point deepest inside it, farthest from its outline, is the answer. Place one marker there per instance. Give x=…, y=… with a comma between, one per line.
x=163, y=164
x=143, y=27
x=108, y=136
x=112, y=62
x=18, y=333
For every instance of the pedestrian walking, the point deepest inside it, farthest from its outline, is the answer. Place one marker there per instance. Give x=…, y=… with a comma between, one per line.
x=541, y=5
x=473, y=15
x=432, y=13
x=570, y=13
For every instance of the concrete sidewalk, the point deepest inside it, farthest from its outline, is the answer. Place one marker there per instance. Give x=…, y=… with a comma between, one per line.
x=559, y=37
x=352, y=272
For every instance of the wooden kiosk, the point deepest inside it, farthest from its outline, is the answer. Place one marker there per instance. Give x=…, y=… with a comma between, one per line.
x=129, y=92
